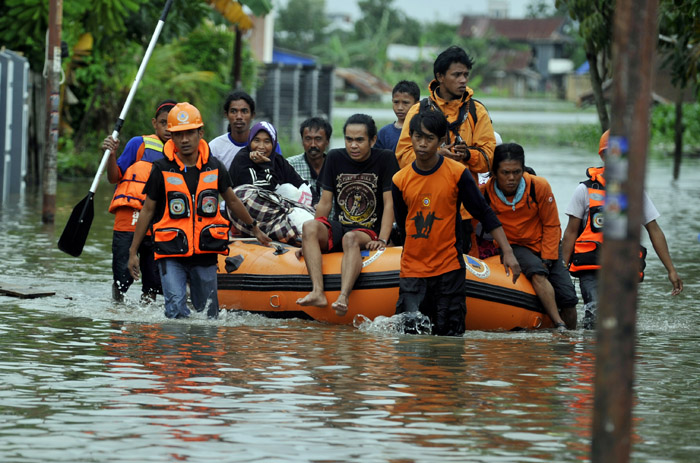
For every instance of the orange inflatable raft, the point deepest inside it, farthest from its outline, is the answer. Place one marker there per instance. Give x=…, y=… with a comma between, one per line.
x=269, y=280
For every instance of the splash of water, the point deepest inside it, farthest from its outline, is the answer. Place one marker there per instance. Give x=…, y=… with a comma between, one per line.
x=404, y=323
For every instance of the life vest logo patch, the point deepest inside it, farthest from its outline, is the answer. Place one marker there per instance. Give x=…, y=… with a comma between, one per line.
x=177, y=206
x=209, y=204
x=174, y=180
x=477, y=267
x=210, y=178
x=598, y=220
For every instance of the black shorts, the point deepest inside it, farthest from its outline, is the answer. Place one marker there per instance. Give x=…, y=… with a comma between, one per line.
x=442, y=298
x=557, y=274
x=337, y=230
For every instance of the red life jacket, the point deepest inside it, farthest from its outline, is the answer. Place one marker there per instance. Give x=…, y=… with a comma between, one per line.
x=191, y=224
x=129, y=190
x=587, y=246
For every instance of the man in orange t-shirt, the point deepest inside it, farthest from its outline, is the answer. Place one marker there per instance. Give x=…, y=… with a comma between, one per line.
x=427, y=195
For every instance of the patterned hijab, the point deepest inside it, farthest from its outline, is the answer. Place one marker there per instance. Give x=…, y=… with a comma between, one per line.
x=271, y=131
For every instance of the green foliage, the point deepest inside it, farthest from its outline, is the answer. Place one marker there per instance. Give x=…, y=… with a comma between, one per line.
x=663, y=120
x=381, y=19
x=301, y=25
x=289, y=147
x=439, y=34
x=594, y=18
x=580, y=136
x=679, y=25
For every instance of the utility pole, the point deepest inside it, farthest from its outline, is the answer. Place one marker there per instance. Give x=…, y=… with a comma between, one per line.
x=236, y=67
x=634, y=41
x=53, y=79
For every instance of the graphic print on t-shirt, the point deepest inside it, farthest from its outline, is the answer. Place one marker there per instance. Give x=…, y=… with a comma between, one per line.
x=356, y=198
x=424, y=222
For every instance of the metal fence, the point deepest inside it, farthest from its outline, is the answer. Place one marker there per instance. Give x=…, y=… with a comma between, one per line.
x=289, y=94
x=14, y=120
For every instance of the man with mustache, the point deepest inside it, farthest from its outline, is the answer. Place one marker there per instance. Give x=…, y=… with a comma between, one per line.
x=315, y=136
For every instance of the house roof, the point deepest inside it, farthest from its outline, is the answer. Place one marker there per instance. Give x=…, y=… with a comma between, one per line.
x=524, y=30
x=364, y=82
x=512, y=60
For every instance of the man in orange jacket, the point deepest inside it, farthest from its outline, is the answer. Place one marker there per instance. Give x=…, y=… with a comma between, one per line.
x=470, y=139
x=525, y=206
x=182, y=203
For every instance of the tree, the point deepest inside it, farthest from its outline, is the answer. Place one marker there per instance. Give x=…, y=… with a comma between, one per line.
x=191, y=61
x=594, y=18
x=679, y=28
x=301, y=25
x=539, y=9
x=544, y=9
x=382, y=15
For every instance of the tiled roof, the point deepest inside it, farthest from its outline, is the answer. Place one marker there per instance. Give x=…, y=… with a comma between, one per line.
x=537, y=29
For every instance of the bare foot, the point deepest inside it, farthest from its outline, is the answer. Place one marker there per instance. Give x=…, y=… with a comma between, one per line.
x=313, y=299
x=340, y=306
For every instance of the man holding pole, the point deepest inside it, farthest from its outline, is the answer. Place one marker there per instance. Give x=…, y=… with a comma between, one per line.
x=130, y=173
x=182, y=202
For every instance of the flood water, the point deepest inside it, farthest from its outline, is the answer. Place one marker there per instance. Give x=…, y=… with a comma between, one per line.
x=85, y=379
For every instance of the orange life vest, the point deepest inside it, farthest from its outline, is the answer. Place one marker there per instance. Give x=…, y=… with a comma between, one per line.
x=129, y=190
x=191, y=224
x=587, y=246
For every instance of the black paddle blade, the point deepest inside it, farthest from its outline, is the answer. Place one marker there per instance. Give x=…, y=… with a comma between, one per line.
x=75, y=234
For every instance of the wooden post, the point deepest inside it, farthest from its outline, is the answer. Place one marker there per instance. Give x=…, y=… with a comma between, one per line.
x=236, y=65
x=678, y=129
x=634, y=39
x=53, y=79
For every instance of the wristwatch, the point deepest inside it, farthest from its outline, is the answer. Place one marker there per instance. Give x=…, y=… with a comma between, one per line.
x=252, y=225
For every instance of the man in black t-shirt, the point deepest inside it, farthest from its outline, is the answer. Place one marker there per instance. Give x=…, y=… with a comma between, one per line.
x=357, y=180
x=182, y=203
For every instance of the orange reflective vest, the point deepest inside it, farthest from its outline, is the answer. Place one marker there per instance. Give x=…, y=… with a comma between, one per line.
x=129, y=190
x=191, y=223
x=587, y=246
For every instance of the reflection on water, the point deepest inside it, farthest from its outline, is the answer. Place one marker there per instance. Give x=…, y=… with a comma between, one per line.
x=84, y=379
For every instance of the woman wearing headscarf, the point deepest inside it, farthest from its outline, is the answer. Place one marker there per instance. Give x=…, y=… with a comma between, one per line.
x=258, y=164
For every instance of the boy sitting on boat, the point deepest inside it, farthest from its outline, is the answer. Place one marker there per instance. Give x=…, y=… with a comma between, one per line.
x=357, y=180
x=427, y=195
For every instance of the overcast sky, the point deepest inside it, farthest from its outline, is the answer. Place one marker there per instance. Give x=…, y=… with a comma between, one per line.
x=448, y=10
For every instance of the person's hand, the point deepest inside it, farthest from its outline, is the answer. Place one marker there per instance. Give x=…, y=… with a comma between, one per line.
x=461, y=152
x=375, y=245
x=261, y=236
x=134, y=266
x=111, y=144
x=676, y=282
x=511, y=264
x=446, y=151
x=258, y=157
